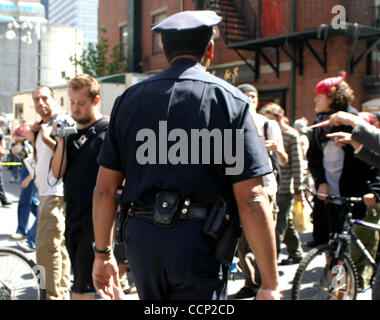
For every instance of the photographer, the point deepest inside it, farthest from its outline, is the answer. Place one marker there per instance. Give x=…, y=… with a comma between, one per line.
x=51, y=251
x=75, y=160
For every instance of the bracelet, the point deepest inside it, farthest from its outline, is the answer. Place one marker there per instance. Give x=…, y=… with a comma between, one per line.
x=106, y=251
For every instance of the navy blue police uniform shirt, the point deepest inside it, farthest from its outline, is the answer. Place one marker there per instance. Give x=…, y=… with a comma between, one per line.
x=183, y=96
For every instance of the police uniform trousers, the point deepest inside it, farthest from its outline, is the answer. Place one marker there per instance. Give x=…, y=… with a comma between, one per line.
x=174, y=263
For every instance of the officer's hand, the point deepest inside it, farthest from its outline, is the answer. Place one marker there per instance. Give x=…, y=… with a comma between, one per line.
x=268, y=294
x=105, y=276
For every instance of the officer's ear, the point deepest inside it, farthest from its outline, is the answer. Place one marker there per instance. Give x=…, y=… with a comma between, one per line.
x=210, y=50
x=166, y=56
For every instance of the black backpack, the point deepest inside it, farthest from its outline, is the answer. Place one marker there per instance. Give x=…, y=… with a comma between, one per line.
x=273, y=157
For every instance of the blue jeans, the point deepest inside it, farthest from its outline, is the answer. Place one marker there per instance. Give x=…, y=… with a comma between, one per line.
x=28, y=203
x=15, y=168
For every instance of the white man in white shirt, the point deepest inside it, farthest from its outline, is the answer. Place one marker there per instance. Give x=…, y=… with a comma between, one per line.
x=51, y=251
x=271, y=132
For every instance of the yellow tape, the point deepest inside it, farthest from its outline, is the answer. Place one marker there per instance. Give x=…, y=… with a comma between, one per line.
x=11, y=163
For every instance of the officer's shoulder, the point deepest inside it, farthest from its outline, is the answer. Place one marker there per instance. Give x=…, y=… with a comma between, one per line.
x=205, y=77
x=231, y=89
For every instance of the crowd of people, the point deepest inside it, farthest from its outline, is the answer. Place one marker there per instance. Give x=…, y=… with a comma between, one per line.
x=69, y=181
x=321, y=159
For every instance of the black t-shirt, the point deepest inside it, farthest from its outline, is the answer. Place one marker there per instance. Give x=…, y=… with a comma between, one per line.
x=81, y=173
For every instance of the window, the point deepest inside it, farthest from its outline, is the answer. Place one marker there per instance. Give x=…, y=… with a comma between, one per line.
x=19, y=110
x=157, y=43
x=124, y=40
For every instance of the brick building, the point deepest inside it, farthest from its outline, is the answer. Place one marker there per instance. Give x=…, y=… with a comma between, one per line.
x=283, y=47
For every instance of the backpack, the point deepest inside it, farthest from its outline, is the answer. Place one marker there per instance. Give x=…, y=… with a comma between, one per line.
x=273, y=157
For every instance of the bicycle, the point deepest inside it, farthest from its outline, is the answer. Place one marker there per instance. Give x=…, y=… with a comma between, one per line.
x=20, y=277
x=327, y=272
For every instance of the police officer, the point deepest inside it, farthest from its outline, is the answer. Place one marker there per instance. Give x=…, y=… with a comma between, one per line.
x=172, y=180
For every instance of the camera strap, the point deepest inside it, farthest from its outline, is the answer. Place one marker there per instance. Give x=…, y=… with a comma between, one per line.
x=97, y=128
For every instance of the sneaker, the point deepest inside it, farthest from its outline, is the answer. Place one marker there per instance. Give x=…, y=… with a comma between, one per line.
x=246, y=292
x=25, y=246
x=13, y=180
x=130, y=290
x=290, y=260
x=17, y=236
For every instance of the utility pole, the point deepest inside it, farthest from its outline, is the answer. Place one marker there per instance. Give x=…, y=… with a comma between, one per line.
x=17, y=17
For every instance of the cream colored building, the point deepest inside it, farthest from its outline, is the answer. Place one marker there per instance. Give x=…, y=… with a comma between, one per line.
x=110, y=88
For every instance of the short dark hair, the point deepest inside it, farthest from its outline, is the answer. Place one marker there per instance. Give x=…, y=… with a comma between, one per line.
x=272, y=108
x=193, y=42
x=86, y=81
x=41, y=87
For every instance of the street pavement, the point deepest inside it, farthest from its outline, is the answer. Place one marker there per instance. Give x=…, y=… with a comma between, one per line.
x=8, y=225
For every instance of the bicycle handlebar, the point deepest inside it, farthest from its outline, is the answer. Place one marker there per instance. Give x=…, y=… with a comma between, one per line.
x=331, y=197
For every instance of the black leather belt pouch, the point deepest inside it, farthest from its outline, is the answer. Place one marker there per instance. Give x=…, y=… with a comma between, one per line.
x=227, y=244
x=121, y=216
x=215, y=222
x=166, y=209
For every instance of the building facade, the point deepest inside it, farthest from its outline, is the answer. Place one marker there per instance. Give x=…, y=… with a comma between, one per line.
x=81, y=14
x=18, y=47
x=32, y=51
x=283, y=47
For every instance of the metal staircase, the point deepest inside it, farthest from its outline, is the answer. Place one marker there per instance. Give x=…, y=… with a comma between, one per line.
x=233, y=27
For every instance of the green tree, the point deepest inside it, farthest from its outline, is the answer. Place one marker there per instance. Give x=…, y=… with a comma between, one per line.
x=97, y=61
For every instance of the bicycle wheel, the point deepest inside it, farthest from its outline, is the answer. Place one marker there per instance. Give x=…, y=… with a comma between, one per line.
x=20, y=278
x=319, y=277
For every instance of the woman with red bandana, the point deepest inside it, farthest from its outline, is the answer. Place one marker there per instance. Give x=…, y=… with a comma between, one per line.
x=335, y=169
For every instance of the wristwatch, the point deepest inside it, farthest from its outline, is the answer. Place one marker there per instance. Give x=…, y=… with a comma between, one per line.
x=106, y=251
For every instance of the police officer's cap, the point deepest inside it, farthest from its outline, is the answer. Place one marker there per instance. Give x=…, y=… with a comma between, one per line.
x=187, y=21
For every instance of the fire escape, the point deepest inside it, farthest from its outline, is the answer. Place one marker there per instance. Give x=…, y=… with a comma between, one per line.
x=270, y=27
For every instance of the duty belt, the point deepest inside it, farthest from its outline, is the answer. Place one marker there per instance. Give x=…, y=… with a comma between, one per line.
x=187, y=213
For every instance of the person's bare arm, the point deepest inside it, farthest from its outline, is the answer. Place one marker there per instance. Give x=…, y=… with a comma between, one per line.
x=25, y=183
x=45, y=134
x=105, y=271
x=258, y=226
x=59, y=160
x=2, y=147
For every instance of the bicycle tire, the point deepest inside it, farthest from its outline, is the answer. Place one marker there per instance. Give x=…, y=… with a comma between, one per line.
x=20, y=277
x=317, y=279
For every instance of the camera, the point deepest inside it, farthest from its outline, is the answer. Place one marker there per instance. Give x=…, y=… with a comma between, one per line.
x=65, y=125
